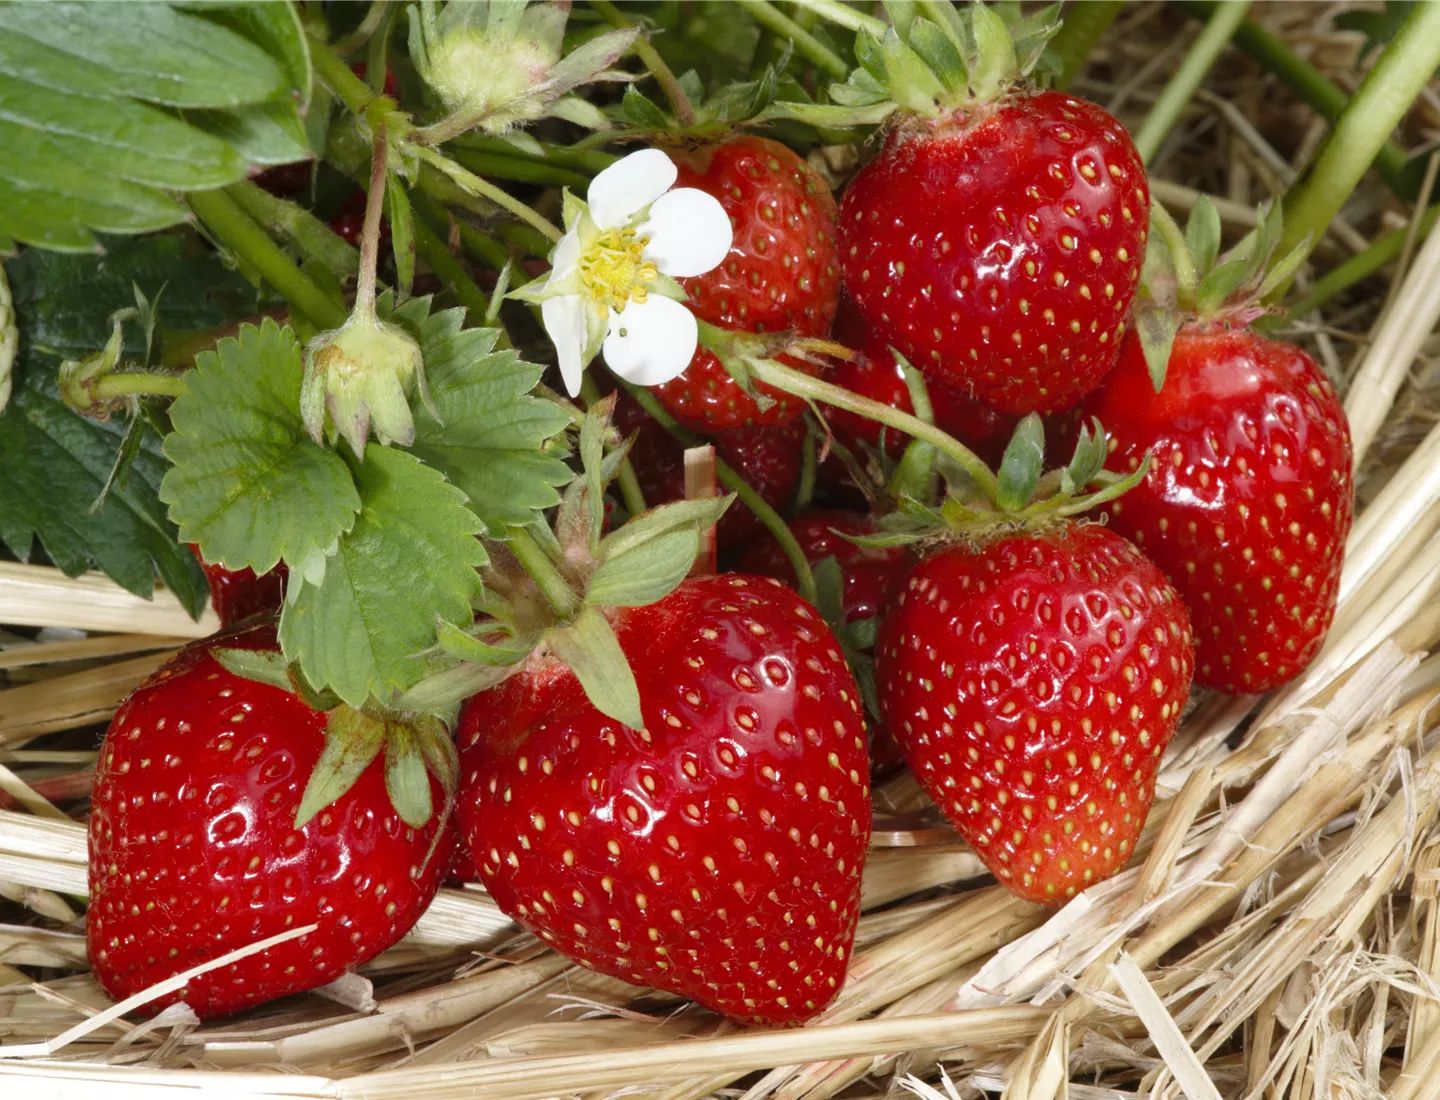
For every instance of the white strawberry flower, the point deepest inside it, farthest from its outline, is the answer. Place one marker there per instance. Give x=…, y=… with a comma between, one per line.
x=612, y=279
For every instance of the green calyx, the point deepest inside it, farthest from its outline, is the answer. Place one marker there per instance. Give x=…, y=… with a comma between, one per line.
x=933, y=59
x=1187, y=280
x=1025, y=497
x=417, y=745
x=497, y=64
x=551, y=591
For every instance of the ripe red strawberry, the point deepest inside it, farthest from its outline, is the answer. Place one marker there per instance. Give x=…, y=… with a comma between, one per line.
x=781, y=273
x=872, y=576
x=349, y=222
x=1033, y=684
x=767, y=458
x=193, y=849
x=998, y=245
x=717, y=852
x=873, y=373
x=1249, y=497
x=237, y=594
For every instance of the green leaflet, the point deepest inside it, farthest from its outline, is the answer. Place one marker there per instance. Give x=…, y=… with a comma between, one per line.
x=409, y=561
x=248, y=484
x=491, y=432
x=104, y=108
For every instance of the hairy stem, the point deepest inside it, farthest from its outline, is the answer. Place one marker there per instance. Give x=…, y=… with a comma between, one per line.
x=519, y=169
x=431, y=248
x=370, y=234
x=1381, y=101
x=629, y=483
x=1078, y=34
x=361, y=34
x=139, y=384
x=773, y=19
x=472, y=183
x=799, y=384
x=562, y=598
x=281, y=216
x=680, y=105
x=773, y=521
x=1323, y=96
x=843, y=15
x=1187, y=79
x=233, y=228
x=340, y=79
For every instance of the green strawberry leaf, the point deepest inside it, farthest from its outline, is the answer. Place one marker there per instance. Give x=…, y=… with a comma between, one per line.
x=248, y=483
x=53, y=464
x=90, y=95
x=491, y=435
x=589, y=648
x=409, y=561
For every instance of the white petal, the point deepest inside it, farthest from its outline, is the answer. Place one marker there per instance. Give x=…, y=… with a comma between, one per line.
x=564, y=319
x=652, y=341
x=566, y=257
x=689, y=232
x=630, y=184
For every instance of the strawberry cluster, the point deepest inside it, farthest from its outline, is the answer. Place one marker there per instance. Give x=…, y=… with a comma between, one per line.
x=666, y=775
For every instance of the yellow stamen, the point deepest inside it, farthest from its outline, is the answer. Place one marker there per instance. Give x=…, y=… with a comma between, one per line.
x=614, y=270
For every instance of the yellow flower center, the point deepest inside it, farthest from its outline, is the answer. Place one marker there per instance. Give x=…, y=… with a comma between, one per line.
x=614, y=270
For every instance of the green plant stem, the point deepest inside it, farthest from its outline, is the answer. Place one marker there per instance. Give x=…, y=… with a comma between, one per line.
x=314, y=238
x=361, y=34
x=798, y=384
x=525, y=238
x=376, y=61
x=629, y=483
x=842, y=15
x=563, y=599
x=680, y=105
x=484, y=248
x=469, y=181
x=233, y=228
x=1200, y=59
x=1083, y=26
x=519, y=169
x=773, y=19
x=1381, y=101
x=1323, y=96
x=140, y=384
x=431, y=248
x=585, y=161
x=340, y=78
x=809, y=461
x=1361, y=266
x=772, y=520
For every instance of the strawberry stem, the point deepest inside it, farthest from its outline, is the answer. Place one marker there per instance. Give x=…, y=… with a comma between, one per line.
x=798, y=384
x=1078, y=34
x=845, y=16
x=1362, y=265
x=680, y=104
x=1219, y=29
x=370, y=234
x=137, y=385
x=234, y=229
x=469, y=181
x=773, y=521
x=773, y=19
x=629, y=483
x=562, y=598
x=1382, y=100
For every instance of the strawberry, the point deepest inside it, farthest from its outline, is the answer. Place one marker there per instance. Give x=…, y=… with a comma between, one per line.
x=1033, y=681
x=781, y=274
x=349, y=221
x=872, y=576
x=194, y=849
x=1249, y=497
x=767, y=458
x=874, y=373
x=237, y=594
x=715, y=852
x=997, y=238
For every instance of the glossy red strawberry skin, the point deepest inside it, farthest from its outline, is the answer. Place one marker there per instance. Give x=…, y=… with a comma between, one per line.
x=1033, y=685
x=1000, y=250
x=238, y=594
x=718, y=853
x=193, y=850
x=1249, y=498
x=875, y=374
x=872, y=576
x=769, y=460
x=782, y=273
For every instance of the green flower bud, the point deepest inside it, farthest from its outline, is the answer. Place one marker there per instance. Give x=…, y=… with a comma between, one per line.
x=362, y=374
